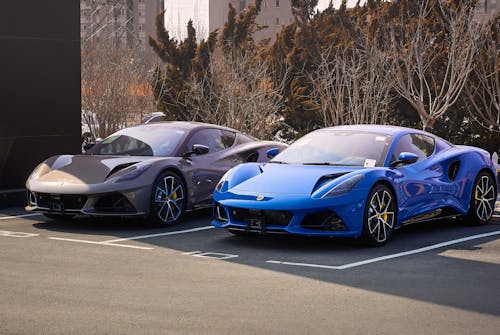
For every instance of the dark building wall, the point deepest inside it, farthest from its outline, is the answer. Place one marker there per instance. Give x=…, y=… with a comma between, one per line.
x=39, y=84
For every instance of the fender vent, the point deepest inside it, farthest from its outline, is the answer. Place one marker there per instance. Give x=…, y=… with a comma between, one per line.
x=324, y=179
x=119, y=168
x=453, y=170
x=253, y=157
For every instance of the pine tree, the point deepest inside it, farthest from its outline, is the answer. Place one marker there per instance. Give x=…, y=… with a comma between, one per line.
x=182, y=60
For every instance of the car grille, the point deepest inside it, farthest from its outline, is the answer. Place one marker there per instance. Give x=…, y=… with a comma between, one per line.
x=68, y=201
x=114, y=203
x=264, y=217
x=325, y=220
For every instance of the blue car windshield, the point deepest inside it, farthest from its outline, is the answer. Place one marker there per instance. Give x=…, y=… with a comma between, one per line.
x=337, y=147
x=147, y=140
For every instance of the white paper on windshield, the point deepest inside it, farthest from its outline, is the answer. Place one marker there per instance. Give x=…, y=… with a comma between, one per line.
x=370, y=162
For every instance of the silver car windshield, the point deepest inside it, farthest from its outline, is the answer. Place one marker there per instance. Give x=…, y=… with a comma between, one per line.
x=141, y=141
x=337, y=147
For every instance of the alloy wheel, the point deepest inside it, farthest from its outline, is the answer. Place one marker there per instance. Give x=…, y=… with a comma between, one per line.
x=484, y=197
x=169, y=199
x=380, y=215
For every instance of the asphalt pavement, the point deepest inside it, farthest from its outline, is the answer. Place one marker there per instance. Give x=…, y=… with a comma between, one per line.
x=114, y=276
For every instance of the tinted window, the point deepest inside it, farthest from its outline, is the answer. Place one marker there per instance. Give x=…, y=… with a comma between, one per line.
x=228, y=138
x=151, y=140
x=214, y=139
x=337, y=147
x=420, y=145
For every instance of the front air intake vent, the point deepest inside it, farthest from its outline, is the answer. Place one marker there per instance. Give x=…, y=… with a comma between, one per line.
x=325, y=220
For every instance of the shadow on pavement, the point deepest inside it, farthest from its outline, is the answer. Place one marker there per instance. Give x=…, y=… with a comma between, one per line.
x=431, y=276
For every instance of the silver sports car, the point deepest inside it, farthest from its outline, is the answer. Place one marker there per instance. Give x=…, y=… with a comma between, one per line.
x=155, y=171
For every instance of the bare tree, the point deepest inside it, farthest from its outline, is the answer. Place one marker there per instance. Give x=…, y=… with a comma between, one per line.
x=482, y=93
x=415, y=52
x=115, y=87
x=352, y=87
x=238, y=93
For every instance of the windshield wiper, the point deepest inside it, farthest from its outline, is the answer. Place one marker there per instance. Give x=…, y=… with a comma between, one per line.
x=278, y=162
x=327, y=163
x=322, y=163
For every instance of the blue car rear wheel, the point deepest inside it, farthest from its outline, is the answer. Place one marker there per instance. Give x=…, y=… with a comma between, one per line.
x=482, y=203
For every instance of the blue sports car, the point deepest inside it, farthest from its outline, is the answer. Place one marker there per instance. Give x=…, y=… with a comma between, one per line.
x=357, y=181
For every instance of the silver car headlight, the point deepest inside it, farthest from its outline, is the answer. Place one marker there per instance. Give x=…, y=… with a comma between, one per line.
x=40, y=170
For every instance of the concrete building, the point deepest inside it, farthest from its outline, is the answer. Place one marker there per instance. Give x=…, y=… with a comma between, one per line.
x=208, y=15
x=487, y=9
x=125, y=23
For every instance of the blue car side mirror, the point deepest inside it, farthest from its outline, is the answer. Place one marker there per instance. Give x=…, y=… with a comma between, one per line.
x=271, y=153
x=405, y=158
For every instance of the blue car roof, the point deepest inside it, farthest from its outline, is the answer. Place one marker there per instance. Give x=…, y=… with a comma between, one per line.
x=381, y=129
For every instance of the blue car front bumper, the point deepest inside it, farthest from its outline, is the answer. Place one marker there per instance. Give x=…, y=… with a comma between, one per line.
x=294, y=214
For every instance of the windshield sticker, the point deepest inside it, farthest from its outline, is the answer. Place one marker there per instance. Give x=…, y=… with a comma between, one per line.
x=370, y=162
x=380, y=138
x=110, y=139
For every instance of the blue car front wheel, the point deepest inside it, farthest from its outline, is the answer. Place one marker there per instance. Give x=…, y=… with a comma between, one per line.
x=379, y=216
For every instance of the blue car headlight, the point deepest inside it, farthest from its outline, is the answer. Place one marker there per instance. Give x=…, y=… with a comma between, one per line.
x=134, y=172
x=222, y=185
x=344, y=187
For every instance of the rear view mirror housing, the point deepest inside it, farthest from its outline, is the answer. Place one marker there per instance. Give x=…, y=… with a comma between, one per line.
x=271, y=153
x=405, y=158
x=197, y=149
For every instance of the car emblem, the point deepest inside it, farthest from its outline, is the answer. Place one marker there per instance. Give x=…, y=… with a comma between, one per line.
x=260, y=197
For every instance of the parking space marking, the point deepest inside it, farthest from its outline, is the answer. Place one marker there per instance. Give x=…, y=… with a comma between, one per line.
x=100, y=243
x=177, y=232
x=383, y=258
x=16, y=234
x=213, y=255
x=191, y=252
x=19, y=216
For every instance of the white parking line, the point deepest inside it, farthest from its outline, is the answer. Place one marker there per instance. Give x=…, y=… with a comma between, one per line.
x=214, y=255
x=19, y=216
x=160, y=234
x=383, y=258
x=99, y=243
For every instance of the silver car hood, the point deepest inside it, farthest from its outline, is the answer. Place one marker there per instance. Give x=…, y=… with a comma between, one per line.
x=84, y=169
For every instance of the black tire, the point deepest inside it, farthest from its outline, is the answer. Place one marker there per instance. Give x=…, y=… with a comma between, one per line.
x=379, y=216
x=168, y=200
x=482, y=200
x=58, y=216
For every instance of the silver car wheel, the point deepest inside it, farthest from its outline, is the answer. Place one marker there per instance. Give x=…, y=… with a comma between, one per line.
x=484, y=196
x=380, y=215
x=169, y=199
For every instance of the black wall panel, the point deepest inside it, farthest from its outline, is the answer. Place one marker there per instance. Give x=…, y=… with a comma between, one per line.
x=39, y=84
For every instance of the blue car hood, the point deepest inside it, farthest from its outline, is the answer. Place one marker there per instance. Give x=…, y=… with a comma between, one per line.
x=290, y=179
